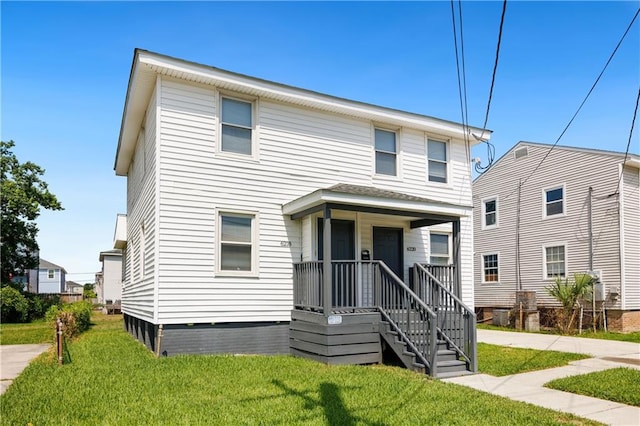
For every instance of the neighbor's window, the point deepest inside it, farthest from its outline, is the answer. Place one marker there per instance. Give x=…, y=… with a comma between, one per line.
x=490, y=268
x=51, y=273
x=236, y=242
x=555, y=262
x=490, y=212
x=439, y=244
x=554, y=201
x=437, y=153
x=385, y=152
x=237, y=126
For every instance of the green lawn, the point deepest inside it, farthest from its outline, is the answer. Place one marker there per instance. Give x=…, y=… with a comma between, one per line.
x=33, y=332
x=112, y=379
x=617, y=384
x=504, y=361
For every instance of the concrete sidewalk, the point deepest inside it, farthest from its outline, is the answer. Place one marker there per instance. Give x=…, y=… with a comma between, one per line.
x=14, y=359
x=528, y=387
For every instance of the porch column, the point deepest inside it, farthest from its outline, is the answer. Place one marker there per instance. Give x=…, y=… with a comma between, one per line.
x=456, y=258
x=326, y=265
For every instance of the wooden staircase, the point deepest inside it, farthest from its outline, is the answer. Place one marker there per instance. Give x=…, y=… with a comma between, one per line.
x=447, y=360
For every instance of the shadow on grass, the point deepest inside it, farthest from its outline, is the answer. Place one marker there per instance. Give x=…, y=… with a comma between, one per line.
x=330, y=401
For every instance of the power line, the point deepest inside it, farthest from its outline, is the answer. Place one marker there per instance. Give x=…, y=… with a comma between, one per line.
x=626, y=153
x=490, y=148
x=583, y=101
x=462, y=81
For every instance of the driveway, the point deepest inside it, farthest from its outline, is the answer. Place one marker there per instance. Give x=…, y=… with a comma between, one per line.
x=14, y=359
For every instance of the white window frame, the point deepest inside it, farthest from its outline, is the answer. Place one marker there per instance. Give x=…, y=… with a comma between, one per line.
x=396, y=153
x=449, y=248
x=483, y=269
x=253, y=128
x=447, y=143
x=484, y=212
x=544, y=201
x=544, y=260
x=255, y=242
x=51, y=274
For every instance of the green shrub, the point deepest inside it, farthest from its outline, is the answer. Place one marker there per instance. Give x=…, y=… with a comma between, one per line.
x=40, y=303
x=75, y=317
x=13, y=305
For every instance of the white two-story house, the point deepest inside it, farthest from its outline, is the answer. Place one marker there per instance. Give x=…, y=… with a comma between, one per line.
x=265, y=218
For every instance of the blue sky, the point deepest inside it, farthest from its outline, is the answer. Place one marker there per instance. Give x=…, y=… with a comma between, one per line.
x=65, y=68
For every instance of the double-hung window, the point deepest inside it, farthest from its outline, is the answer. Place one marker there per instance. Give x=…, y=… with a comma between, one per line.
x=555, y=264
x=439, y=248
x=236, y=242
x=490, y=268
x=554, y=201
x=237, y=126
x=51, y=273
x=386, y=152
x=437, y=154
x=490, y=213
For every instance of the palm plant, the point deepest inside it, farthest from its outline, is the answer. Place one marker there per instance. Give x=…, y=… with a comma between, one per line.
x=569, y=292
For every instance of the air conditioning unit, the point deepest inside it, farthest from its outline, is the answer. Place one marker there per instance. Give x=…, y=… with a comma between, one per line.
x=599, y=289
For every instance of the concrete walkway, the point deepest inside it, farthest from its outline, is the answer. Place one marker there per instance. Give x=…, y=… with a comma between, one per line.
x=528, y=387
x=14, y=359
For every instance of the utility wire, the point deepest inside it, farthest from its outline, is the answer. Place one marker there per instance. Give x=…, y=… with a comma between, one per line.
x=583, y=101
x=626, y=153
x=461, y=88
x=490, y=148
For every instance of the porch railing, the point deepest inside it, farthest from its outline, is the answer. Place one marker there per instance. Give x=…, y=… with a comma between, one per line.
x=455, y=320
x=446, y=275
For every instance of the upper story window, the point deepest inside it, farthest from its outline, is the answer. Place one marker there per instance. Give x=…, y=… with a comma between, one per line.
x=437, y=153
x=386, y=152
x=555, y=264
x=237, y=126
x=554, y=201
x=490, y=213
x=51, y=273
x=237, y=242
x=490, y=268
x=439, y=249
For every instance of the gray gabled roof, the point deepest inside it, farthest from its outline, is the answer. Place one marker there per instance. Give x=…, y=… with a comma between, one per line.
x=45, y=264
x=371, y=191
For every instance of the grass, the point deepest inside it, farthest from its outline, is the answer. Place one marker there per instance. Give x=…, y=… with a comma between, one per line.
x=112, y=379
x=504, y=361
x=33, y=332
x=618, y=384
x=609, y=335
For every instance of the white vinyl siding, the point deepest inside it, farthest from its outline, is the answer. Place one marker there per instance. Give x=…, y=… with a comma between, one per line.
x=630, y=218
x=386, y=152
x=536, y=231
x=301, y=150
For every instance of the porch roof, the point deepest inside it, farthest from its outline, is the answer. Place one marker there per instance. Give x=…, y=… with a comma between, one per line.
x=375, y=200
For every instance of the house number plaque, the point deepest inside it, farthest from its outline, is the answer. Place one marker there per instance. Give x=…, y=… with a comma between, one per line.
x=411, y=249
x=334, y=319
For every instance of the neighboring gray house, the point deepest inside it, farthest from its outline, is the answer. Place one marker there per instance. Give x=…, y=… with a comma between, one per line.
x=48, y=278
x=555, y=205
x=73, y=287
x=265, y=218
x=109, y=279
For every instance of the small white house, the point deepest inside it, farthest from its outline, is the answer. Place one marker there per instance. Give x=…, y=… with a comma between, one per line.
x=578, y=213
x=233, y=185
x=109, y=279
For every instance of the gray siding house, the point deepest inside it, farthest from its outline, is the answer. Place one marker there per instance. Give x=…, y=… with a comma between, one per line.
x=265, y=218
x=574, y=193
x=48, y=278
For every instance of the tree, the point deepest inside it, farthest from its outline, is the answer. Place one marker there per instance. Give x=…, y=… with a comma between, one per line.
x=89, y=292
x=24, y=193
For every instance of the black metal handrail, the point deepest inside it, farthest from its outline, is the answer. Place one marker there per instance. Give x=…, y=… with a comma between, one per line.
x=455, y=320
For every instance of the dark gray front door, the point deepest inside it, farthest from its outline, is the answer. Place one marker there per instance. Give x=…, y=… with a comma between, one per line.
x=387, y=246
x=343, y=247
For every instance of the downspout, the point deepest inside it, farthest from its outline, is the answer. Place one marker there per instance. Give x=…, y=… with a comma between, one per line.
x=593, y=287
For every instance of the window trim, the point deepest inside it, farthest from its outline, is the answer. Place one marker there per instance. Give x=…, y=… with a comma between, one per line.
x=447, y=143
x=449, y=248
x=254, y=125
x=564, y=201
x=484, y=212
x=51, y=274
x=397, y=154
x=544, y=260
x=255, y=243
x=483, y=269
